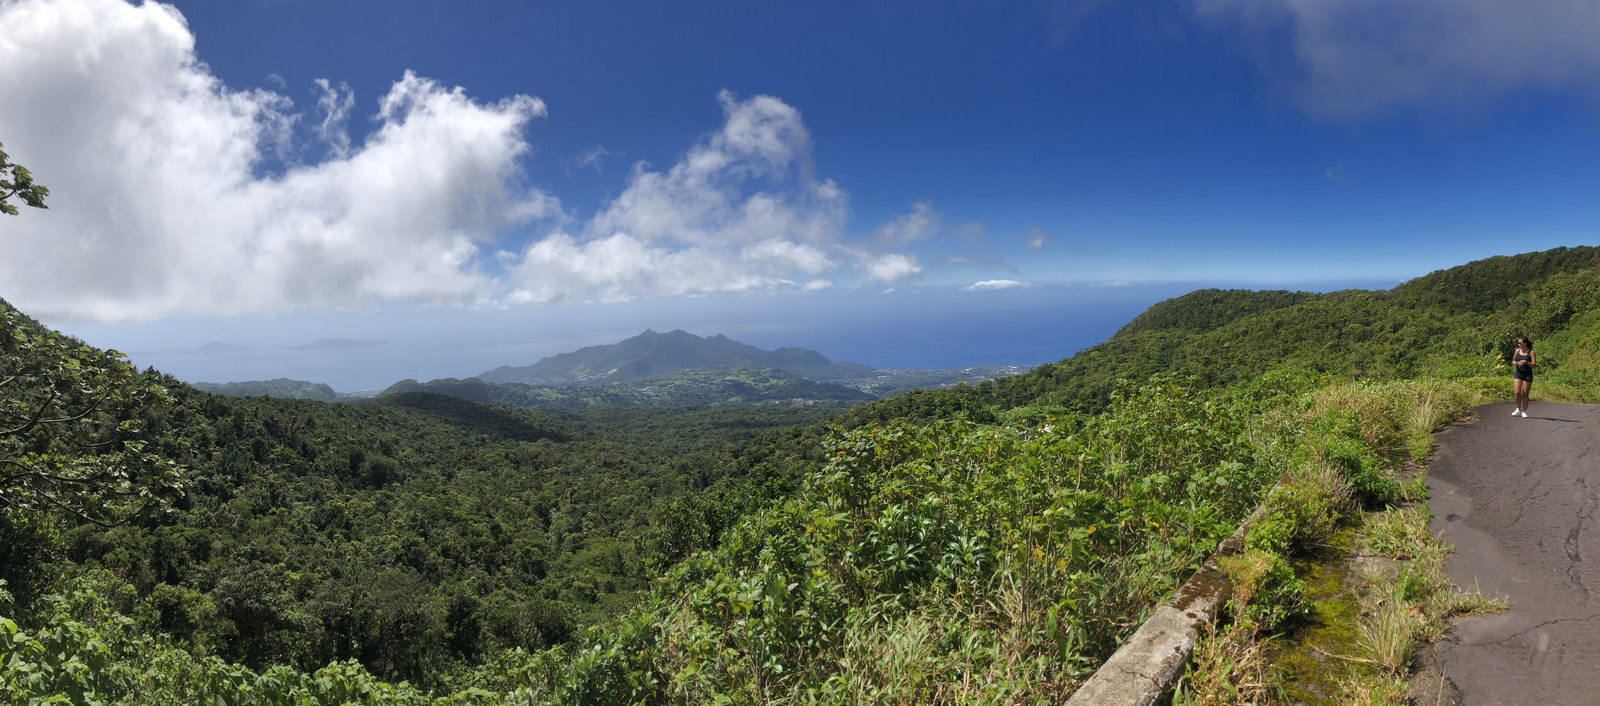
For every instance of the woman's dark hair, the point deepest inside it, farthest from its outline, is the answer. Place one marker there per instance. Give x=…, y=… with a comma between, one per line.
x=1525, y=339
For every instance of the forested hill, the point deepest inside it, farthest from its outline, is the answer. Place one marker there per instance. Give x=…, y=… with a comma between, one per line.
x=1457, y=321
x=1490, y=285
x=650, y=353
x=281, y=387
x=415, y=534
x=714, y=386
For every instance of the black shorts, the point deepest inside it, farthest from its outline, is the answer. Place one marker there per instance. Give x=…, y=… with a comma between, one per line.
x=1523, y=375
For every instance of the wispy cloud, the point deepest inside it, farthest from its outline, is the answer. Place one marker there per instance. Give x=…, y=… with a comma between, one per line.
x=335, y=104
x=212, y=348
x=592, y=158
x=919, y=224
x=1353, y=59
x=334, y=344
x=991, y=284
x=1063, y=18
x=1335, y=173
x=987, y=264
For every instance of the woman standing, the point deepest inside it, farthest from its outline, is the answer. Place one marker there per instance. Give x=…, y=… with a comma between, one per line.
x=1522, y=362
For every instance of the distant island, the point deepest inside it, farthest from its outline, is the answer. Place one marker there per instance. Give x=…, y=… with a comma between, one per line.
x=652, y=353
x=333, y=344
x=653, y=369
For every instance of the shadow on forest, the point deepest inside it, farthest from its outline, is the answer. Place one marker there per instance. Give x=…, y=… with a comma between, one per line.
x=502, y=422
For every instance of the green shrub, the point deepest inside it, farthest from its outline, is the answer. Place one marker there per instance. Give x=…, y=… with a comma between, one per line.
x=1265, y=589
x=1301, y=512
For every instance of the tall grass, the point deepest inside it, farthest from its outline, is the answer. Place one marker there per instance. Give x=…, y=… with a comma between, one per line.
x=1350, y=441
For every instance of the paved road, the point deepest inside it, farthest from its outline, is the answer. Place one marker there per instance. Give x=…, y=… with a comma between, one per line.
x=1517, y=498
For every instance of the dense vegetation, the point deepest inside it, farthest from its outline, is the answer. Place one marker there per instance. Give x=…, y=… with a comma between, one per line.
x=989, y=542
x=280, y=387
x=1455, y=322
x=704, y=386
x=411, y=534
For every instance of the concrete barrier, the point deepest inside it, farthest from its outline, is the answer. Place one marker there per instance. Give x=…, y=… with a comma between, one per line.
x=1148, y=664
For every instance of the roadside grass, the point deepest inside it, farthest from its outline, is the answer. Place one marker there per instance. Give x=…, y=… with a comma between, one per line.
x=1353, y=636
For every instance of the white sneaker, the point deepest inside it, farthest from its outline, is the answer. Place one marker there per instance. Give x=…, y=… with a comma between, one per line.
x=1524, y=414
x=1515, y=411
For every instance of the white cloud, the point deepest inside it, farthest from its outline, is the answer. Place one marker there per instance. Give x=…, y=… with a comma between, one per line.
x=335, y=105
x=890, y=267
x=707, y=198
x=172, y=193
x=1037, y=238
x=590, y=159
x=1350, y=59
x=621, y=267
x=986, y=263
x=157, y=205
x=921, y=223
x=994, y=284
x=739, y=213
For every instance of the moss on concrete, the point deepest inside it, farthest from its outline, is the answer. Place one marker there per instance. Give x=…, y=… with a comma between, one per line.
x=1314, y=652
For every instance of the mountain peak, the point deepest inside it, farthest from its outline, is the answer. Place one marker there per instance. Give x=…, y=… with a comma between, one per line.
x=651, y=353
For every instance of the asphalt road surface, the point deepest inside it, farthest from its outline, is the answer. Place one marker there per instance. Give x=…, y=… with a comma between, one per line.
x=1517, y=498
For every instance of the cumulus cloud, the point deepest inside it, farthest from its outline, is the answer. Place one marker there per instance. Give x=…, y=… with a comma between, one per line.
x=890, y=267
x=172, y=193
x=158, y=200
x=621, y=267
x=739, y=213
x=1350, y=59
x=994, y=284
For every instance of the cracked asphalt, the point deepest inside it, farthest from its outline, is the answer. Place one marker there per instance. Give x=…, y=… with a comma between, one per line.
x=1517, y=498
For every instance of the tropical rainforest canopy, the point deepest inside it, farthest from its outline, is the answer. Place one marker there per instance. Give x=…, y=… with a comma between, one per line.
x=158, y=542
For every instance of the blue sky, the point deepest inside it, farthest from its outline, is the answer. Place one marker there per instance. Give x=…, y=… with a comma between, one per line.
x=534, y=176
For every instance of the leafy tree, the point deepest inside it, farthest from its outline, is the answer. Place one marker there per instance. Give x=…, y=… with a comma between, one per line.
x=72, y=422
x=15, y=180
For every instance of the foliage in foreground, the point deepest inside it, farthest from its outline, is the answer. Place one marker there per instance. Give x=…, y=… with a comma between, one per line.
x=948, y=563
x=952, y=562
